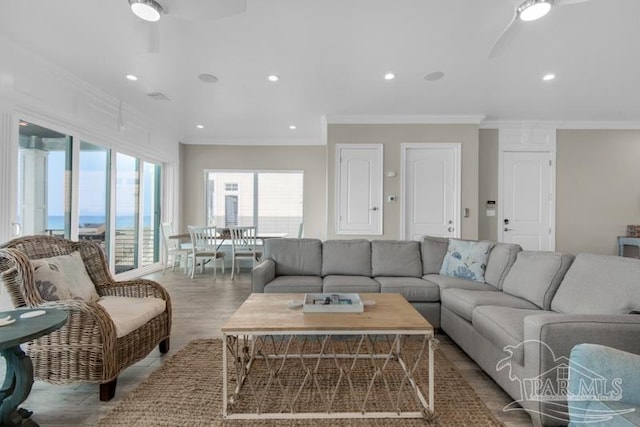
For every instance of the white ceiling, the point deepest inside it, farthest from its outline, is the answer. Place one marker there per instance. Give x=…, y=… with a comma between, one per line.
x=331, y=56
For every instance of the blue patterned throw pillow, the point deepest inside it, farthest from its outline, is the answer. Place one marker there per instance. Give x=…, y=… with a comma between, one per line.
x=466, y=259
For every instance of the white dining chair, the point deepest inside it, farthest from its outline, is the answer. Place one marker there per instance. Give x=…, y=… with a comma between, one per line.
x=205, y=246
x=243, y=246
x=174, y=249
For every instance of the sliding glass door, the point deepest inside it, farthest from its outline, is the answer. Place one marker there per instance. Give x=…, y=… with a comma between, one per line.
x=83, y=191
x=94, y=191
x=127, y=210
x=44, y=181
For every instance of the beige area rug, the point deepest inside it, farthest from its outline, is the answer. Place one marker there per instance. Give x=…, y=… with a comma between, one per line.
x=187, y=391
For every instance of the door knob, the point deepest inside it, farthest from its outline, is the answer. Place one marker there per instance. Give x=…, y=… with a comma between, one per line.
x=508, y=229
x=375, y=208
x=450, y=229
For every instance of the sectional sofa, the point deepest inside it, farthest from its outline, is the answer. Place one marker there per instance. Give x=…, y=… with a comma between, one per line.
x=516, y=313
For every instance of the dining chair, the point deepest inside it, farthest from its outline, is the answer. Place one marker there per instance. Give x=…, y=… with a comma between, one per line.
x=174, y=249
x=243, y=244
x=204, y=242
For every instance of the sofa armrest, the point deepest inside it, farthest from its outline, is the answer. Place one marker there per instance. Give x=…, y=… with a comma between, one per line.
x=549, y=339
x=262, y=274
x=562, y=331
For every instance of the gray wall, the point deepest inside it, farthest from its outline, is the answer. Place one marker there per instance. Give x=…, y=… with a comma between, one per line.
x=487, y=183
x=597, y=187
x=391, y=136
x=310, y=159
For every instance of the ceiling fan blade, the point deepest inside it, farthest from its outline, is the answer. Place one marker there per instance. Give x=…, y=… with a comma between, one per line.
x=204, y=10
x=565, y=2
x=507, y=37
x=146, y=37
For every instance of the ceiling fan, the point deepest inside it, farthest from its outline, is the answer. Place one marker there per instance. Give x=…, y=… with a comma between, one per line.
x=529, y=10
x=152, y=11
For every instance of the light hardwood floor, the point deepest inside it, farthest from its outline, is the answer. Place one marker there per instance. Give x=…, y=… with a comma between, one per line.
x=200, y=307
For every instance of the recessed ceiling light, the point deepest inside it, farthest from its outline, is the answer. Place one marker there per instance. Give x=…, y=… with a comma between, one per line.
x=147, y=10
x=531, y=10
x=432, y=77
x=200, y=126
x=548, y=77
x=292, y=127
x=207, y=78
x=273, y=78
x=389, y=76
x=131, y=77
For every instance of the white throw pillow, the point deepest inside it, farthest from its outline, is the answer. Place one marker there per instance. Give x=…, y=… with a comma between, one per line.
x=466, y=259
x=64, y=277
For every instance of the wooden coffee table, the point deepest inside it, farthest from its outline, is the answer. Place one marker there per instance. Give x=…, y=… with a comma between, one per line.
x=265, y=328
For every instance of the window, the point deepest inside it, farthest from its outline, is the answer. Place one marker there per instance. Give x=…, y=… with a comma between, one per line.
x=44, y=181
x=272, y=201
x=76, y=199
x=93, y=194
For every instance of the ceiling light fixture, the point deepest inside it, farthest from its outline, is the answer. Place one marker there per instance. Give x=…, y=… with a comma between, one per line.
x=200, y=126
x=273, y=78
x=548, y=77
x=531, y=10
x=434, y=76
x=23, y=123
x=207, y=78
x=147, y=10
x=389, y=76
x=132, y=77
x=292, y=127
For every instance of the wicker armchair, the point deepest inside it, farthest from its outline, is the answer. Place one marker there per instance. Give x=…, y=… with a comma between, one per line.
x=86, y=349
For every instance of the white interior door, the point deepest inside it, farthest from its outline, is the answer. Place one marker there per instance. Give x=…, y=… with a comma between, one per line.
x=431, y=189
x=359, y=189
x=527, y=194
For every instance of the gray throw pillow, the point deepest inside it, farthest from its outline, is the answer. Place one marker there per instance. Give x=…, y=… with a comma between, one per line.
x=64, y=277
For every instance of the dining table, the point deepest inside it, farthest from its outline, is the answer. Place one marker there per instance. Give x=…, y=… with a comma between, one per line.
x=224, y=234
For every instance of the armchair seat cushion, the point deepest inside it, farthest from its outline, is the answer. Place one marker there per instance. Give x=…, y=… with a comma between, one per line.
x=463, y=301
x=294, y=284
x=412, y=288
x=128, y=314
x=336, y=283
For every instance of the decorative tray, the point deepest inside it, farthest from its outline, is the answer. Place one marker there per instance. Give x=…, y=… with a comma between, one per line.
x=332, y=303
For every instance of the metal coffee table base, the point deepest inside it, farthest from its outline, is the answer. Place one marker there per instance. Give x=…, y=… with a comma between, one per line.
x=380, y=350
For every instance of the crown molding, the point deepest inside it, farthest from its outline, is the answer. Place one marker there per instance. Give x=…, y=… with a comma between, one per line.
x=574, y=125
x=203, y=140
x=406, y=119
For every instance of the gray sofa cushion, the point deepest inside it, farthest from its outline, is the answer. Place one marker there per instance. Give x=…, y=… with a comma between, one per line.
x=503, y=326
x=294, y=284
x=433, y=250
x=501, y=258
x=535, y=276
x=412, y=288
x=295, y=257
x=346, y=257
x=396, y=258
x=463, y=301
x=446, y=282
x=599, y=284
x=349, y=284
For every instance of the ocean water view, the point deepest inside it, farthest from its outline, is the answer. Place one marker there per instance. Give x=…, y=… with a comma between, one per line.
x=56, y=222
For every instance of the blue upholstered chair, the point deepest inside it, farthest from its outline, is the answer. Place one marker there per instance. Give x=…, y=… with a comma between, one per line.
x=604, y=387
